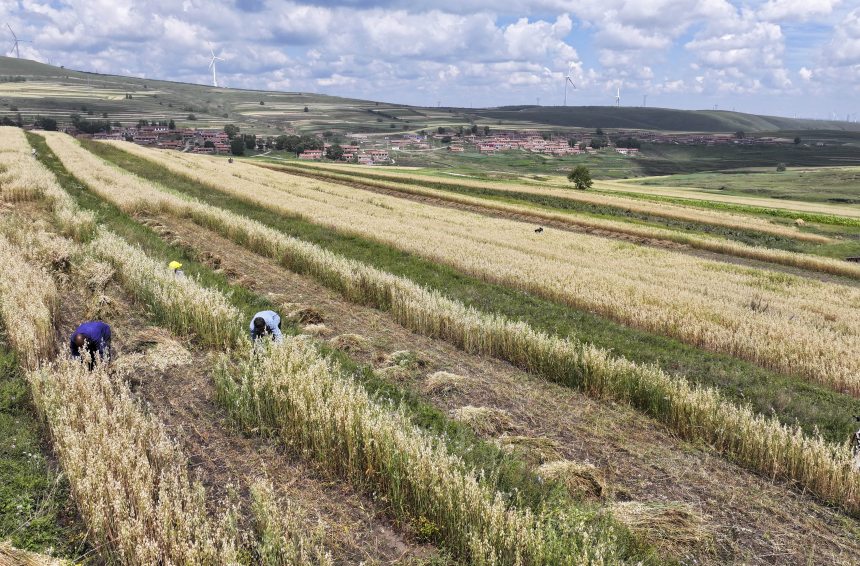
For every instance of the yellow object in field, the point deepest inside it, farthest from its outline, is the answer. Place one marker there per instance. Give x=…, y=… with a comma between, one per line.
x=174, y=265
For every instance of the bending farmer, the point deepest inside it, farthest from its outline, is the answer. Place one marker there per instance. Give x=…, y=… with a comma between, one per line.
x=91, y=338
x=266, y=323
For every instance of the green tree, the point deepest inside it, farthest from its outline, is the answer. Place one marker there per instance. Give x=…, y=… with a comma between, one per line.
x=209, y=143
x=599, y=132
x=237, y=146
x=740, y=134
x=334, y=152
x=487, y=130
x=281, y=142
x=580, y=177
x=231, y=130
x=474, y=129
x=250, y=141
x=780, y=167
x=306, y=109
x=46, y=123
x=171, y=125
x=797, y=140
x=192, y=117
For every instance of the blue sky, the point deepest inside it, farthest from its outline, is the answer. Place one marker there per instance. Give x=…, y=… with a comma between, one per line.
x=787, y=57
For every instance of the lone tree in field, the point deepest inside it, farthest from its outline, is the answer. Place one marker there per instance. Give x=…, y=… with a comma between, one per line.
x=580, y=177
x=780, y=167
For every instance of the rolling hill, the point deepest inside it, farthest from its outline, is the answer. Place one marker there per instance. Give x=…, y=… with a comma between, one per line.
x=30, y=89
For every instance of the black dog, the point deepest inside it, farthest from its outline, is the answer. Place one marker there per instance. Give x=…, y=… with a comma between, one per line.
x=539, y=229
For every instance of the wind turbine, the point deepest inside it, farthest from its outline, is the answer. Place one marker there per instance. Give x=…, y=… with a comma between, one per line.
x=618, y=97
x=212, y=65
x=16, y=41
x=568, y=79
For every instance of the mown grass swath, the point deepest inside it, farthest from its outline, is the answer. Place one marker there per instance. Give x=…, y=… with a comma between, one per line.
x=791, y=324
x=699, y=414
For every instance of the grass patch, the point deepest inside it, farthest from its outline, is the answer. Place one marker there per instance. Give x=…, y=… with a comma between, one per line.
x=792, y=400
x=504, y=472
x=36, y=510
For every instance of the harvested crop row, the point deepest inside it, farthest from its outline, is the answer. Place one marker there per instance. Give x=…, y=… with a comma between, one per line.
x=716, y=245
x=700, y=415
x=790, y=324
x=660, y=210
x=23, y=178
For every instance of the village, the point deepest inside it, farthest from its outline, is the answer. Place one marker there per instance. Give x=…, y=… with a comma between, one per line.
x=367, y=149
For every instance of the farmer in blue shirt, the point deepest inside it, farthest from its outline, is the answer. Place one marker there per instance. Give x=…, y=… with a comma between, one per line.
x=266, y=323
x=92, y=337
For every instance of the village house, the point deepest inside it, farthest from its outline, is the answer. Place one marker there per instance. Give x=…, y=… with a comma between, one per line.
x=311, y=154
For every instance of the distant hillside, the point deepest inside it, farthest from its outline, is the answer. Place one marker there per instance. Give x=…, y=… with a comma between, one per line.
x=663, y=119
x=57, y=92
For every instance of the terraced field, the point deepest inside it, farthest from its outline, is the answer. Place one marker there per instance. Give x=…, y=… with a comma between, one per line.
x=448, y=390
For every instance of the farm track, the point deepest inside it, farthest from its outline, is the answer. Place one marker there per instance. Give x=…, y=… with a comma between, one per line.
x=183, y=398
x=755, y=521
x=568, y=227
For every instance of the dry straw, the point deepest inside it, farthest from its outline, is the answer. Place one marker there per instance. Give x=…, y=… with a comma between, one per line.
x=697, y=414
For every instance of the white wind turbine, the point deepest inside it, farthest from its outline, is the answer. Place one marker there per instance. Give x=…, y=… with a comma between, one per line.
x=212, y=65
x=568, y=79
x=15, y=42
x=618, y=97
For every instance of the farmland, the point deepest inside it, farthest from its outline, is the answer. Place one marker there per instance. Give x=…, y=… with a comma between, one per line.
x=453, y=387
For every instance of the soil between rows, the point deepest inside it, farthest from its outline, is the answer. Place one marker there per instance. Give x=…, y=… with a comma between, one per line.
x=754, y=520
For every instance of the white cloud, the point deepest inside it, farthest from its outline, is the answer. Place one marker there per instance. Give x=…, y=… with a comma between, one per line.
x=783, y=10
x=478, y=51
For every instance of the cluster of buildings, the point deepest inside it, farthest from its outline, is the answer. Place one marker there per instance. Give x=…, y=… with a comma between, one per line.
x=351, y=154
x=190, y=139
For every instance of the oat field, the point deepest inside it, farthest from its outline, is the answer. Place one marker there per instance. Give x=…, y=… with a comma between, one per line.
x=402, y=419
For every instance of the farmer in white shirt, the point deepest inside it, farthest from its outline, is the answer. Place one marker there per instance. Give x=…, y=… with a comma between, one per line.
x=266, y=323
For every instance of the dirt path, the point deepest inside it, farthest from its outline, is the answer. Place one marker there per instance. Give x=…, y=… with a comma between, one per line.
x=560, y=225
x=182, y=396
x=755, y=521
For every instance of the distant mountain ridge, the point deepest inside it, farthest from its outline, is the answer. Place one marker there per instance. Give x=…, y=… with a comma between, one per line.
x=59, y=92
